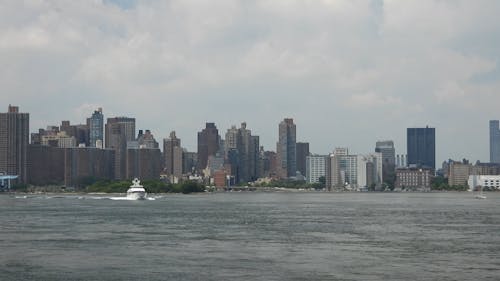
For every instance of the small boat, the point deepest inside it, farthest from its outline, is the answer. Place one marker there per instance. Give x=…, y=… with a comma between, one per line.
x=136, y=191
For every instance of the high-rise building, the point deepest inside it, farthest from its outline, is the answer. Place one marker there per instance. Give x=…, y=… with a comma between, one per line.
x=14, y=140
x=172, y=152
x=286, y=149
x=315, y=167
x=421, y=146
x=494, y=141
x=119, y=131
x=302, y=152
x=208, y=144
x=242, y=153
x=386, y=148
x=96, y=126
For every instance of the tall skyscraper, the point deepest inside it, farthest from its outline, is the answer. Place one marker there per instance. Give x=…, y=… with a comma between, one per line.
x=14, y=140
x=286, y=149
x=386, y=148
x=421, y=147
x=242, y=153
x=96, y=126
x=172, y=152
x=119, y=131
x=494, y=141
x=208, y=144
x=302, y=153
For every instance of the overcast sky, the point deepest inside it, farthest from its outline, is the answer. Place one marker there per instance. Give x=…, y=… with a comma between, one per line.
x=348, y=72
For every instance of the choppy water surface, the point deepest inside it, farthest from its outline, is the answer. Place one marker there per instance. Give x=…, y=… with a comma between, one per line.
x=252, y=236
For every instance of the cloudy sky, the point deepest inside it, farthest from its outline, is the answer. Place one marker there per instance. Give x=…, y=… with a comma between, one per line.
x=349, y=72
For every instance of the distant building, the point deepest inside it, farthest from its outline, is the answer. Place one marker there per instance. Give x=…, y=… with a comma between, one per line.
x=14, y=140
x=286, y=149
x=189, y=162
x=316, y=167
x=269, y=164
x=421, y=146
x=61, y=139
x=353, y=171
x=386, y=148
x=242, y=153
x=87, y=163
x=96, y=128
x=494, y=141
x=208, y=144
x=302, y=149
x=143, y=163
x=80, y=132
x=146, y=139
x=119, y=131
x=401, y=161
x=485, y=182
x=220, y=179
x=172, y=152
x=414, y=179
x=46, y=165
x=458, y=174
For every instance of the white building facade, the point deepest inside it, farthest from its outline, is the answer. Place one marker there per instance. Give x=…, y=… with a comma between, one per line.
x=488, y=182
x=315, y=167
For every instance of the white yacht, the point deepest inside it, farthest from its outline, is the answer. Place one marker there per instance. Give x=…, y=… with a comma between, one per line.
x=136, y=191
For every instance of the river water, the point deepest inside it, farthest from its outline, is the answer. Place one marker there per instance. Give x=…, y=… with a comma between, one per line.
x=251, y=236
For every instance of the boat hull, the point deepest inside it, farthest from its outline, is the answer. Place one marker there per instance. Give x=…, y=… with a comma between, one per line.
x=136, y=195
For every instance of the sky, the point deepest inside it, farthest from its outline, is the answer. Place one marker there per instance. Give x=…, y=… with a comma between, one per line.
x=348, y=72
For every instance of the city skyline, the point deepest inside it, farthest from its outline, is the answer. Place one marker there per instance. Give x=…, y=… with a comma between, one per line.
x=349, y=73
x=438, y=163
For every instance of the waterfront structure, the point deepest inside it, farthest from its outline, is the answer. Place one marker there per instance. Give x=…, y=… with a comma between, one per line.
x=335, y=178
x=386, y=148
x=494, y=141
x=143, y=163
x=302, y=149
x=81, y=163
x=119, y=131
x=45, y=165
x=220, y=179
x=353, y=171
x=316, y=167
x=208, y=144
x=486, y=182
x=369, y=171
x=14, y=140
x=96, y=126
x=172, y=152
x=458, y=173
x=413, y=179
x=421, y=146
x=286, y=149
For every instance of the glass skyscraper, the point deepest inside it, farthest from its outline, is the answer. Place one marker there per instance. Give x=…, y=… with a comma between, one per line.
x=494, y=141
x=421, y=147
x=96, y=128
